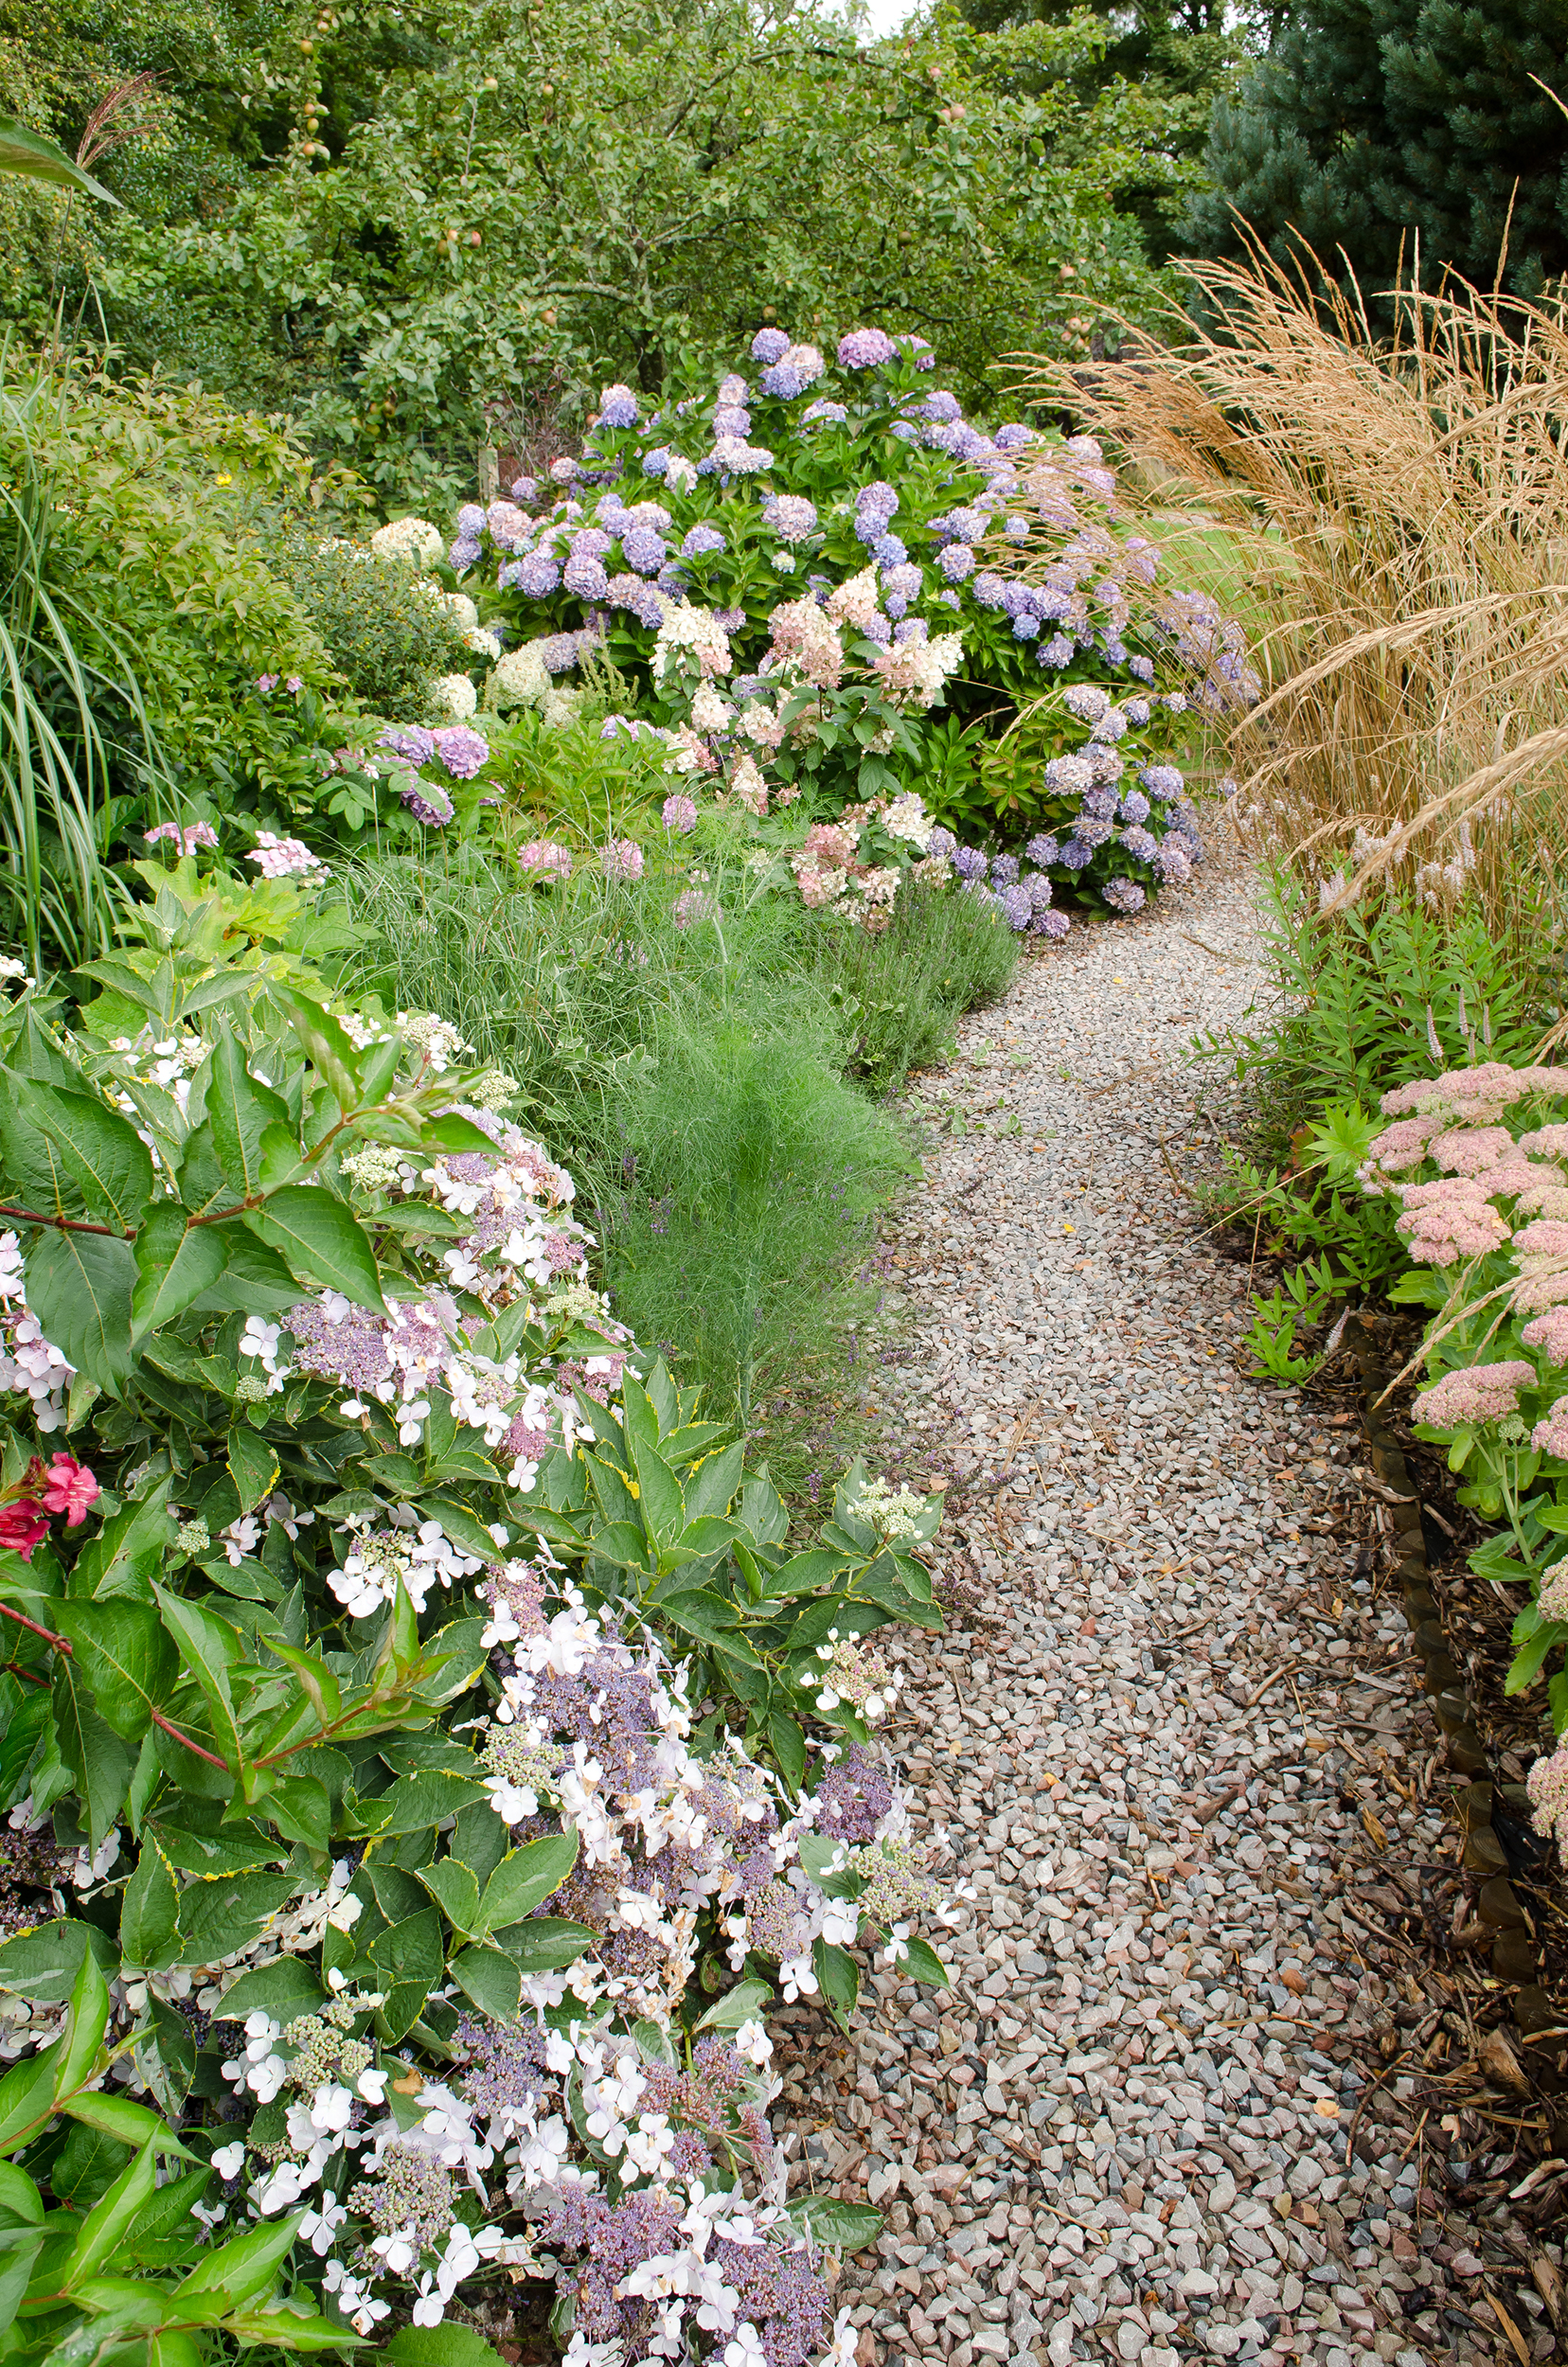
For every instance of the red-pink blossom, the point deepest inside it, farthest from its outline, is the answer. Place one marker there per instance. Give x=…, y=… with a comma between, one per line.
x=70, y=1487
x=21, y=1525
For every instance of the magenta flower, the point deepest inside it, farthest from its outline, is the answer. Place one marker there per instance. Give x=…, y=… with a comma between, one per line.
x=69, y=1488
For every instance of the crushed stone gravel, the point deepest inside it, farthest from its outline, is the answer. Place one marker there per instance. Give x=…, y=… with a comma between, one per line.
x=1122, y=2134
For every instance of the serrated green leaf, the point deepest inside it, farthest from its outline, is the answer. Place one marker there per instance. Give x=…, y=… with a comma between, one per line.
x=122, y=1651
x=526, y=1878
x=99, y=1760
x=79, y=1286
x=456, y=1889
x=491, y=1979
x=111, y=1165
x=175, y=1262
x=321, y=1242
x=239, y=1110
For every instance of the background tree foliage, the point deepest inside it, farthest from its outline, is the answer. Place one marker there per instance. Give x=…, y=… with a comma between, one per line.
x=1373, y=123
x=398, y=227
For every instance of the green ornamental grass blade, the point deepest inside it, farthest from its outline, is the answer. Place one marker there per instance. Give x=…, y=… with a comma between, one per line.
x=30, y=153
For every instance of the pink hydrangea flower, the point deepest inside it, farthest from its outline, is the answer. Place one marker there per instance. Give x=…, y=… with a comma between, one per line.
x=1476, y=1393
x=679, y=813
x=543, y=856
x=622, y=859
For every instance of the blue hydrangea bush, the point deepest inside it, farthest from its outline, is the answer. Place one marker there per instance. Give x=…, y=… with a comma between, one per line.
x=848, y=610
x=424, y=1754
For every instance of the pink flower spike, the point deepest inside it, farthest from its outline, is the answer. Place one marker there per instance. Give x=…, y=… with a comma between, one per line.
x=70, y=1487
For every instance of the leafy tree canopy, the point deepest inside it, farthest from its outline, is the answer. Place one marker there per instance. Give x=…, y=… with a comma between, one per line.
x=434, y=227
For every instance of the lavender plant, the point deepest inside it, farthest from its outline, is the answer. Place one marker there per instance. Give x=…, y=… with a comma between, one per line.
x=416, y=1726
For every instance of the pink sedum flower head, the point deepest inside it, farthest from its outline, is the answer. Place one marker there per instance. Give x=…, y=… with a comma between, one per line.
x=1445, y=1223
x=1548, y=1784
x=1549, y=1334
x=1550, y=1436
x=1475, y=1394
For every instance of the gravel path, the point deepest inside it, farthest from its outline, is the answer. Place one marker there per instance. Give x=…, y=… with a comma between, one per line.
x=1123, y=2134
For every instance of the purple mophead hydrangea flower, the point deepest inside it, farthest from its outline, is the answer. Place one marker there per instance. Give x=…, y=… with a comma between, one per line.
x=1141, y=669
x=1123, y=896
x=703, y=540
x=1134, y=806
x=1013, y=438
x=655, y=463
x=878, y=500
x=644, y=550
x=1163, y=781
x=941, y=408
x=461, y=751
x=956, y=561
x=462, y=554
x=524, y=489
x=1017, y=905
x=538, y=574
x=1076, y=855
x=731, y=419
x=769, y=344
x=990, y=589
x=902, y=583
x=866, y=349
x=558, y=652
x=942, y=844
x=617, y=406
x=1040, y=890
x=1054, y=925
x=1142, y=845
x=1056, y=652
x=584, y=577
x=429, y=803
x=888, y=551
x=1026, y=626
x=968, y=863
x=791, y=516
x=679, y=812
x=1003, y=870
x=416, y=744
x=824, y=413
x=1041, y=848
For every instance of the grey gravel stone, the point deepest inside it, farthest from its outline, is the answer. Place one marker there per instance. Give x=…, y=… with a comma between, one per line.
x=1127, y=2115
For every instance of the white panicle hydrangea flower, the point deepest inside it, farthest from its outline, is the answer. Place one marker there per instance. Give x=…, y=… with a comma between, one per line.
x=454, y=696
x=520, y=679
x=413, y=539
x=907, y=818
x=695, y=630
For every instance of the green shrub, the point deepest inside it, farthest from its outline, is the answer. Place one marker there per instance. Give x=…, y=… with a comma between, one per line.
x=389, y=633
x=901, y=992
x=693, y=1077
x=1364, y=1000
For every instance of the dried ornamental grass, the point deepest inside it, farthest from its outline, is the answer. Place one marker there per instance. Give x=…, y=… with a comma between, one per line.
x=1405, y=509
